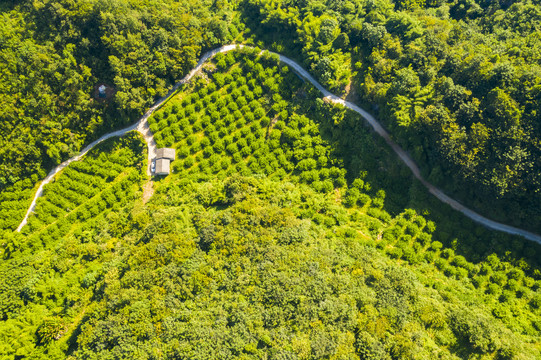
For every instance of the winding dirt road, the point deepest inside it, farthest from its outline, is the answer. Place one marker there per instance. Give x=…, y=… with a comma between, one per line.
x=143, y=127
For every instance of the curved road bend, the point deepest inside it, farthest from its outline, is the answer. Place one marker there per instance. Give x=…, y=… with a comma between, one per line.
x=143, y=127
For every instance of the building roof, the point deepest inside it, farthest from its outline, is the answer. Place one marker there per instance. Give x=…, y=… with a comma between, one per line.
x=162, y=167
x=165, y=153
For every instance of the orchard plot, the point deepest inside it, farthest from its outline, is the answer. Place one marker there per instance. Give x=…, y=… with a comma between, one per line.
x=106, y=178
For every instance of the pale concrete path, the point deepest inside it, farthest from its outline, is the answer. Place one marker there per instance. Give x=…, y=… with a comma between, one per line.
x=143, y=127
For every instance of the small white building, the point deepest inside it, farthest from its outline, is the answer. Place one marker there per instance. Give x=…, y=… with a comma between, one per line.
x=162, y=167
x=165, y=153
x=164, y=156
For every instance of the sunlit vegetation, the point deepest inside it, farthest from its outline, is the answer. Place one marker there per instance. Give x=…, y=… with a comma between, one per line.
x=286, y=230
x=230, y=124
x=215, y=148
x=14, y=201
x=56, y=52
x=107, y=178
x=456, y=82
x=262, y=267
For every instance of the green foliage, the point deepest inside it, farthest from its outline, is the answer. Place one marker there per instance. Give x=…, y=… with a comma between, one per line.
x=277, y=236
x=56, y=53
x=468, y=117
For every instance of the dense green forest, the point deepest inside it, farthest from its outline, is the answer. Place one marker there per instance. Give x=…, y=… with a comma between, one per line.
x=458, y=83
x=54, y=53
x=274, y=237
x=287, y=229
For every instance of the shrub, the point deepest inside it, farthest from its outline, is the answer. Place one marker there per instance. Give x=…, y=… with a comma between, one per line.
x=207, y=101
x=379, y=214
x=154, y=128
x=536, y=301
x=410, y=256
x=242, y=142
x=237, y=157
x=218, y=146
x=245, y=151
x=306, y=164
x=233, y=106
x=364, y=199
x=351, y=197
x=264, y=122
x=395, y=252
x=249, y=117
x=499, y=278
x=460, y=261
x=515, y=274
x=259, y=113
x=236, y=93
x=189, y=110
x=493, y=289
x=214, y=115
x=208, y=151
x=325, y=186
x=162, y=124
x=198, y=126
x=224, y=111
x=225, y=163
x=411, y=229
x=237, y=114
x=479, y=281
x=169, y=141
x=203, y=92
x=424, y=239
x=240, y=122
x=232, y=148
x=447, y=254
x=177, y=133
x=205, y=142
x=191, y=139
x=210, y=129
x=241, y=101
x=183, y=152
x=196, y=146
x=513, y=285
x=219, y=79
x=166, y=112
x=429, y=256
x=241, y=80
x=221, y=64
x=340, y=182
x=205, y=121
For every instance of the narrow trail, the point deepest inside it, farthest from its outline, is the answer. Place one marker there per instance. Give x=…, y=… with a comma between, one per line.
x=143, y=127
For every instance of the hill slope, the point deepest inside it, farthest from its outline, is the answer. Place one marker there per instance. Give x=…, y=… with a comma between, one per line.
x=282, y=233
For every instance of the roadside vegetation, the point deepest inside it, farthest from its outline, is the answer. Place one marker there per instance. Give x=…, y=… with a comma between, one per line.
x=457, y=83
x=15, y=200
